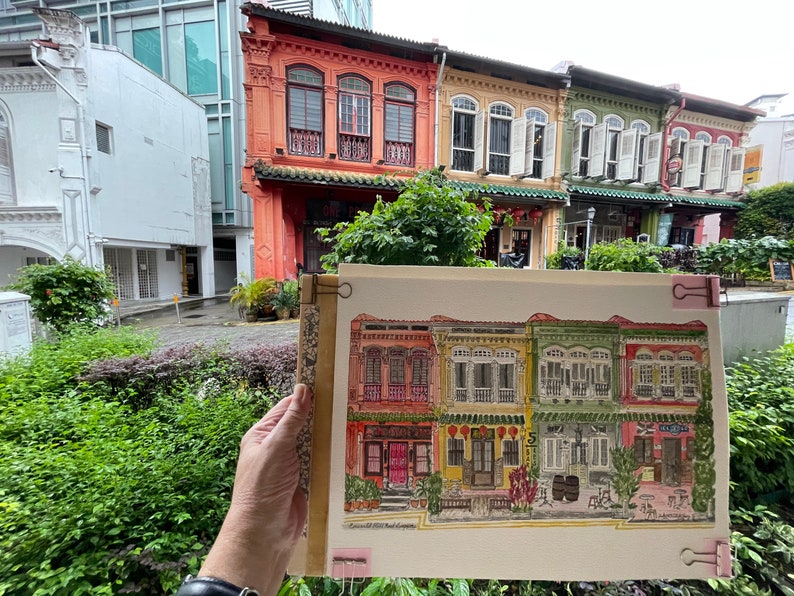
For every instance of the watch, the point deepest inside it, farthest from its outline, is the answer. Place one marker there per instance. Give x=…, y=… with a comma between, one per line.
x=211, y=586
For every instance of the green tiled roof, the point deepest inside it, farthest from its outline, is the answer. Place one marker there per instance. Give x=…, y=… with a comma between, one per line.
x=390, y=417
x=619, y=193
x=481, y=419
x=596, y=417
x=311, y=176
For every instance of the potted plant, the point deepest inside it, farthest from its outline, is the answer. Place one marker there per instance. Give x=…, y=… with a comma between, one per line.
x=422, y=490
x=350, y=491
x=292, y=287
x=358, y=493
x=374, y=494
x=250, y=296
x=284, y=300
x=434, y=487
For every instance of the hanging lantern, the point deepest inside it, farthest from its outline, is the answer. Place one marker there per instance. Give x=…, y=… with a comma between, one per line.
x=483, y=431
x=513, y=431
x=518, y=213
x=501, y=432
x=464, y=430
x=452, y=430
x=535, y=214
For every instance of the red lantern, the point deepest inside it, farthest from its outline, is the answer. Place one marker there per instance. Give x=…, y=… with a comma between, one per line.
x=483, y=431
x=535, y=214
x=513, y=431
x=464, y=430
x=518, y=213
x=501, y=432
x=452, y=430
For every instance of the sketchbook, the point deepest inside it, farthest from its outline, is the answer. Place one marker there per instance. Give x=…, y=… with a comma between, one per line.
x=495, y=423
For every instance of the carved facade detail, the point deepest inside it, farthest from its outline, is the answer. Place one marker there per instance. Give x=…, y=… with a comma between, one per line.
x=24, y=80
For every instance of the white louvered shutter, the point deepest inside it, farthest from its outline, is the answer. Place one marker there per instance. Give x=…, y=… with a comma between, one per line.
x=479, y=135
x=518, y=142
x=627, y=154
x=693, y=164
x=653, y=159
x=576, y=151
x=549, y=150
x=735, y=169
x=715, y=167
x=598, y=151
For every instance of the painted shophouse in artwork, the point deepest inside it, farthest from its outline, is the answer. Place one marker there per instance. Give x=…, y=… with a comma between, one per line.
x=537, y=420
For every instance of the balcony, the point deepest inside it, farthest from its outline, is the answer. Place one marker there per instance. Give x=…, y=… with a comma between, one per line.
x=399, y=154
x=354, y=148
x=419, y=393
x=483, y=394
x=372, y=392
x=507, y=396
x=553, y=387
x=397, y=393
x=460, y=394
x=305, y=142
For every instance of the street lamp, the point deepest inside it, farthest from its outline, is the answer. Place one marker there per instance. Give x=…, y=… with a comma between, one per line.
x=590, y=217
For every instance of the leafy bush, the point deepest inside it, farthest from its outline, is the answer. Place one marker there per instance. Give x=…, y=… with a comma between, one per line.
x=135, y=379
x=99, y=498
x=62, y=294
x=769, y=212
x=625, y=255
x=430, y=223
x=748, y=258
x=554, y=260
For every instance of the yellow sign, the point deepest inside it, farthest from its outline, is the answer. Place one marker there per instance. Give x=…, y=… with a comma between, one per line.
x=752, y=164
x=647, y=474
x=176, y=298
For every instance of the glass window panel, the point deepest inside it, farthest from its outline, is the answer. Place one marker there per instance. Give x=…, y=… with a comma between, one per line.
x=223, y=27
x=177, y=72
x=463, y=131
x=228, y=165
x=399, y=123
x=216, y=162
x=124, y=41
x=500, y=136
x=303, y=75
x=464, y=103
x=201, y=58
x=146, y=49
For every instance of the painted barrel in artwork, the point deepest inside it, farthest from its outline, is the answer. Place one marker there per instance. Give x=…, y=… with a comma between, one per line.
x=558, y=488
x=571, y=488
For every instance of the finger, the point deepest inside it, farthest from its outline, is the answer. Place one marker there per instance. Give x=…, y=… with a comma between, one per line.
x=287, y=429
x=300, y=511
x=268, y=421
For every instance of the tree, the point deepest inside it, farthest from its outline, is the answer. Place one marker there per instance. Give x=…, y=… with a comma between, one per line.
x=430, y=223
x=625, y=480
x=63, y=294
x=769, y=212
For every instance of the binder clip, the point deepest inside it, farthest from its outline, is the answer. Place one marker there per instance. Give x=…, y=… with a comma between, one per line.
x=721, y=557
x=343, y=290
x=696, y=292
x=350, y=564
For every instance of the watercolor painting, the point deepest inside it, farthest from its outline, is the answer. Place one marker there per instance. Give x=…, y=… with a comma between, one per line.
x=530, y=422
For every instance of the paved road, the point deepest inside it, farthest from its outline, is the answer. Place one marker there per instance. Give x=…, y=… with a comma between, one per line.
x=211, y=323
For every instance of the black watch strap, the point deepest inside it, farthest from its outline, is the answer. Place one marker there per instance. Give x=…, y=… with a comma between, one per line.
x=210, y=586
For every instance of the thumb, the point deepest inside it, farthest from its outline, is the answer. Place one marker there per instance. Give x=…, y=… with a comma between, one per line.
x=296, y=415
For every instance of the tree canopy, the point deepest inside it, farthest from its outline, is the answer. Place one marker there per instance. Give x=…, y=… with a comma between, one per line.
x=431, y=223
x=769, y=212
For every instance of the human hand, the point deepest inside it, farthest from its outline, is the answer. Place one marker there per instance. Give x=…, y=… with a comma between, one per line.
x=268, y=511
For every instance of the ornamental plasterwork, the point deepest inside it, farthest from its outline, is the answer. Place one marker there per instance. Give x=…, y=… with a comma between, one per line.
x=30, y=214
x=24, y=80
x=706, y=121
x=259, y=75
x=633, y=106
x=351, y=58
x=257, y=46
x=64, y=28
x=502, y=87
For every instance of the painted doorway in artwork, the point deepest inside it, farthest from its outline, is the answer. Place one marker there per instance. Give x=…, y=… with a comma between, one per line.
x=671, y=461
x=483, y=460
x=398, y=464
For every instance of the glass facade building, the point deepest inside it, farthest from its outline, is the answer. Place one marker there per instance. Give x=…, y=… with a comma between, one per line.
x=194, y=44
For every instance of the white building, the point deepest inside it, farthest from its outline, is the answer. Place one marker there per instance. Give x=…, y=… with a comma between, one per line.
x=775, y=133
x=195, y=45
x=102, y=160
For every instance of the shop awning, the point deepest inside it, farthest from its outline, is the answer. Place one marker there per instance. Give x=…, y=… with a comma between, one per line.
x=632, y=195
x=481, y=419
x=612, y=417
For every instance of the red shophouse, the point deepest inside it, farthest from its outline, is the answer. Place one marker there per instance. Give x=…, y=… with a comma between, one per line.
x=329, y=108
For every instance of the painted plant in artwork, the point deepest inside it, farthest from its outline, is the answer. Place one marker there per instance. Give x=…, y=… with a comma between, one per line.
x=542, y=419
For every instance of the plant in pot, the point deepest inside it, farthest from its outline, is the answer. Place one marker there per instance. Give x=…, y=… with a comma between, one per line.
x=422, y=490
x=350, y=491
x=358, y=493
x=374, y=494
x=250, y=296
x=434, y=487
x=284, y=300
x=292, y=287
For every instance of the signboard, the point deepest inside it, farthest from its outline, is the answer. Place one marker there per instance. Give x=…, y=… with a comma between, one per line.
x=781, y=270
x=674, y=164
x=752, y=164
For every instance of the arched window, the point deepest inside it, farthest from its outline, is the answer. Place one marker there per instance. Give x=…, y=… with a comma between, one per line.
x=305, y=111
x=703, y=136
x=584, y=120
x=537, y=120
x=500, y=118
x=7, y=194
x=354, y=119
x=643, y=132
x=723, y=140
x=551, y=372
x=420, y=372
x=372, y=374
x=680, y=133
x=464, y=115
x=398, y=132
x=641, y=126
x=614, y=128
x=397, y=374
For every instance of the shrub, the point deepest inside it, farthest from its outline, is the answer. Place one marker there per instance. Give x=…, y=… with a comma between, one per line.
x=554, y=260
x=66, y=293
x=625, y=255
x=748, y=258
x=430, y=223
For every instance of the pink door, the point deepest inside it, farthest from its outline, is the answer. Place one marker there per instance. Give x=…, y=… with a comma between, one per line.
x=398, y=463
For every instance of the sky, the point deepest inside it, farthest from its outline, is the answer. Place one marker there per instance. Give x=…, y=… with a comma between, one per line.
x=716, y=48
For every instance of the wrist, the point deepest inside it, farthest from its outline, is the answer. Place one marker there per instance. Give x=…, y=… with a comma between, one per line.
x=212, y=586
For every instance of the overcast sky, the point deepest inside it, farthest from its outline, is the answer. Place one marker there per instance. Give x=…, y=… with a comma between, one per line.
x=716, y=48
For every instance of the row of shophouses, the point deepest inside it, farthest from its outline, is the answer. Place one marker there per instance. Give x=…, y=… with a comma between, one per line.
x=337, y=115
x=476, y=400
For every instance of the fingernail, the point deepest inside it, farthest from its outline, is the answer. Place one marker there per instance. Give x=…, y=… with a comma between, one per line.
x=302, y=396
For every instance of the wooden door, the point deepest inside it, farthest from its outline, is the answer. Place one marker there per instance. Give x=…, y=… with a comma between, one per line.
x=398, y=464
x=671, y=461
x=482, y=462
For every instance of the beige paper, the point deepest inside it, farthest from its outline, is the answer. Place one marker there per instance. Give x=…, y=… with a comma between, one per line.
x=474, y=373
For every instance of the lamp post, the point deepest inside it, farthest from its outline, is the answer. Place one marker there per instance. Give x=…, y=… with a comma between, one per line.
x=590, y=217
